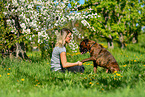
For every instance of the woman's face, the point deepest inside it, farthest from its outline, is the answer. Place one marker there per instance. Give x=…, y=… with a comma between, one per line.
x=68, y=38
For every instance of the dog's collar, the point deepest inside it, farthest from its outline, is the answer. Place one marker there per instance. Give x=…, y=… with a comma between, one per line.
x=92, y=46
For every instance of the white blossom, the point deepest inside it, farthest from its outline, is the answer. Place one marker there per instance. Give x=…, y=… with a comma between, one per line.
x=23, y=25
x=44, y=17
x=22, y=0
x=28, y=31
x=14, y=2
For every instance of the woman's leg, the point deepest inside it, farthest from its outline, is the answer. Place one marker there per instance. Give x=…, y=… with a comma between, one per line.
x=76, y=69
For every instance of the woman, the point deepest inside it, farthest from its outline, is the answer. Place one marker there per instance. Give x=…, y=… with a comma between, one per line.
x=59, y=60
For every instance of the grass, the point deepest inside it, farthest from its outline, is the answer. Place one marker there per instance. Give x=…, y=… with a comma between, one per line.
x=34, y=79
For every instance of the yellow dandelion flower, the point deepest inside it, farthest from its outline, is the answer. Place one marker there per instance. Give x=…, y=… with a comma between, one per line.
x=97, y=83
x=118, y=74
x=114, y=78
x=143, y=65
x=8, y=73
x=105, y=46
x=36, y=80
x=85, y=78
x=102, y=89
x=124, y=65
x=0, y=75
x=4, y=68
x=9, y=68
x=22, y=79
x=28, y=55
x=17, y=80
x=90, y=83
x=114, y=71
x=36, y=85
x=134, y=60
x=125, y=44
x=121, y=76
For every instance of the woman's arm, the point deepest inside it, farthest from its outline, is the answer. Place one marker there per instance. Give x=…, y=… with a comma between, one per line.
x=66, y=64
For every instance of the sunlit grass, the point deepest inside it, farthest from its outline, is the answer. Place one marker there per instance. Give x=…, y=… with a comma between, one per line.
x=34, y=78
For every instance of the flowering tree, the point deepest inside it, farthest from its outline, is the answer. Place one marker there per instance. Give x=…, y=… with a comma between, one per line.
x=37, y=21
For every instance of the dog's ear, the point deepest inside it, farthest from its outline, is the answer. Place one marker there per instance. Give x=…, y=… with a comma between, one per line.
x=86, y=41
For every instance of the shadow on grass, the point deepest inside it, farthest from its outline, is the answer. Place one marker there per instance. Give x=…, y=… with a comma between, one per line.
x=38, y=59
x=122, y=83
x=137, y=62
x=113, y=84
x=137, y=50
x=143, y=46
x=46, y=79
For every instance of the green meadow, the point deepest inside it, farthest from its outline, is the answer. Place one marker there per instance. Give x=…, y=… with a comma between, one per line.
x=22, y=78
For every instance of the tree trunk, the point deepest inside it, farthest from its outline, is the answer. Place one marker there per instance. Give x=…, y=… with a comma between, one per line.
x=135, y=38
x=122, y=45
x=110, y=42
x=121, y=39
x=20, y=47
x=21, y=51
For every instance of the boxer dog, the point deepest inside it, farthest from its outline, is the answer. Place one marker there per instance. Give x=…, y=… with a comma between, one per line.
x=99, y=55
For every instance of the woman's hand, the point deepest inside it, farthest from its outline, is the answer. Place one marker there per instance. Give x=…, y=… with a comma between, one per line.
x=80, y=63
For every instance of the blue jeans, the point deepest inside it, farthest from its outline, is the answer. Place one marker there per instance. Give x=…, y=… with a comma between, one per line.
x=74, y=69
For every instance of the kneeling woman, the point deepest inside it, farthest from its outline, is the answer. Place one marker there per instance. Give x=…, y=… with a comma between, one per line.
x=59, y=60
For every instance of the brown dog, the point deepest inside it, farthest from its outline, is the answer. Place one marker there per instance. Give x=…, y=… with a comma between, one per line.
x=99, y=55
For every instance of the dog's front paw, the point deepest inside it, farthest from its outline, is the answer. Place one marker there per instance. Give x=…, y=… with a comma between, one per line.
x=82, y=61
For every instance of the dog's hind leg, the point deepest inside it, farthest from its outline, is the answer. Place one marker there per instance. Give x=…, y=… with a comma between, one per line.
x=95, y=67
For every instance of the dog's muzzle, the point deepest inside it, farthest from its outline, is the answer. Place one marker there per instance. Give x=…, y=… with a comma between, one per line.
x=83, y=51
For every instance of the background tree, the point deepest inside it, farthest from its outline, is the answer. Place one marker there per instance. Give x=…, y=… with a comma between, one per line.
x=119, y=20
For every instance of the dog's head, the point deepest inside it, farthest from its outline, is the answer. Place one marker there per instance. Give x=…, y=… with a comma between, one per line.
x=84, y=46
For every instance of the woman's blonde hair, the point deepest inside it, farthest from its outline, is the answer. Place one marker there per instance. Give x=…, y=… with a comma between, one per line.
x=61, y=37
